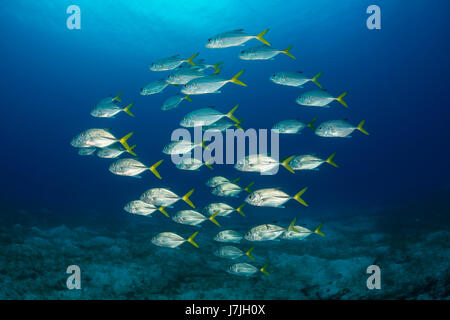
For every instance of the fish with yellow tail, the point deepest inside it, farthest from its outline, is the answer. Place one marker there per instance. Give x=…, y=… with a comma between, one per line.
x=246, y=269
x=262, y=163
x=301, y=233
x=234, y=38
x=172, y=240
x=273, y=197
x=206, y=116
x=193, y=218
x=210, y=84
x=294, y=79
x=132, y=168
x=319, y=98
x=171, y=63
x=165, y=197
x=263, y=53
x=338, y=129
x=310, y=162
x=142, y=208
x=231, y=252
x=268, y=232
x=99, y=138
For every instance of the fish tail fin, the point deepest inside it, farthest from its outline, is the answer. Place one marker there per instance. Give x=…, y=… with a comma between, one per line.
x=247, y=188
x=291, y=226
x=314, y=79
x=238, y=124
x=263, y=270
x=248, y=253
x=204, y=146
x=318, y=230
x=117, y=98
x=189, y=60
x=285, y=164
x=208, y=165
x=235, y=79
x=330, y=160
x=191, y=240
x=127, y=109
x=236, y=180
x=239, y=209
x=124, y=143
x=260, y=37
x=212, y=218
x=153, y=169
x=342, y=101
x=311, y=124
x=188, y=98
x=185, y=198
x=230, y=114
x=360, y=127
x=286, y=52
x=298, y=195
x=131, y=148
x=161, y=209
x=217, y=67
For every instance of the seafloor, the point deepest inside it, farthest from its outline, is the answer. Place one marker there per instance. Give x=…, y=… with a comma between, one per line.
x=411, y=246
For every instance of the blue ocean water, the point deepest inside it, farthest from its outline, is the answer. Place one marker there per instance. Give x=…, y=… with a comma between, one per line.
x=386, y=203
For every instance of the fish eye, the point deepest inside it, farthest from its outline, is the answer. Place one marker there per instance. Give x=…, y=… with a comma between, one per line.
x=320, y=127
x=242, y=51
x=209, y=40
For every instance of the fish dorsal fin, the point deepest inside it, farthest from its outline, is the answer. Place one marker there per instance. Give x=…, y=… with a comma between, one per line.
x=175, y=56
x=237, y=30
x=324, y=90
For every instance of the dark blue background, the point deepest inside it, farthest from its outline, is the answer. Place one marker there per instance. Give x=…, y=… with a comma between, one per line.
x=397, y=80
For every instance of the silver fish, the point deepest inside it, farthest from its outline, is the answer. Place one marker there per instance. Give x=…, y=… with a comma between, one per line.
x=172, y=240
x=86, y=151
x=246, y=269
x=223, y=209
x=210, y=84
x=182, y=146
x=267, y=232
x=263, y=53
x=173, y=102
x=110, y=110
x=99, y=138
x=171, y=63
x=310, y=162
x=215, y=181
x=272, y=197
x=206, y=117
x=293, y=126
x=262, y=163
x=132, y=168
x=165, y=197
x=338, y=129
x=192, y=164
x=110, y=99
x=229, y=189
x=231, y=252
x=184, y=75
x=319, y=98
x=193, y=218
x=301, y=233
x=143, y=208
x=228, y=236
x=294, y=79
x=234, y=38
x=154, y=87
x=112, y=151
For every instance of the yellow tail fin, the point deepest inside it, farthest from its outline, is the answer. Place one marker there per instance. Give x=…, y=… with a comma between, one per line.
x=208, y=165
x=204, y=146
x=239, y=209
x=314, y=79
x=360, y=127
x=291, y=226
x=127, y=109
x=298, y=195
x=124, y=143
x=260, y=37
x=238, y=124
x=161, y=209
x=311, y=124
x=236, y=180
x=247, y=188
x=285, y=163
x=189, y=60
x=188, y=98
x=211, y=218
x=191, y=240
x=131, y=148
x=230, y=114
x=318, y=230
x=248, y=253
x=330, y=160
x=216, y=67
x=342, y=101
x=263, y=270
x=185, y=198
x=153, y=169
x=286, y=52
x=235, y=79
x=117, y=97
